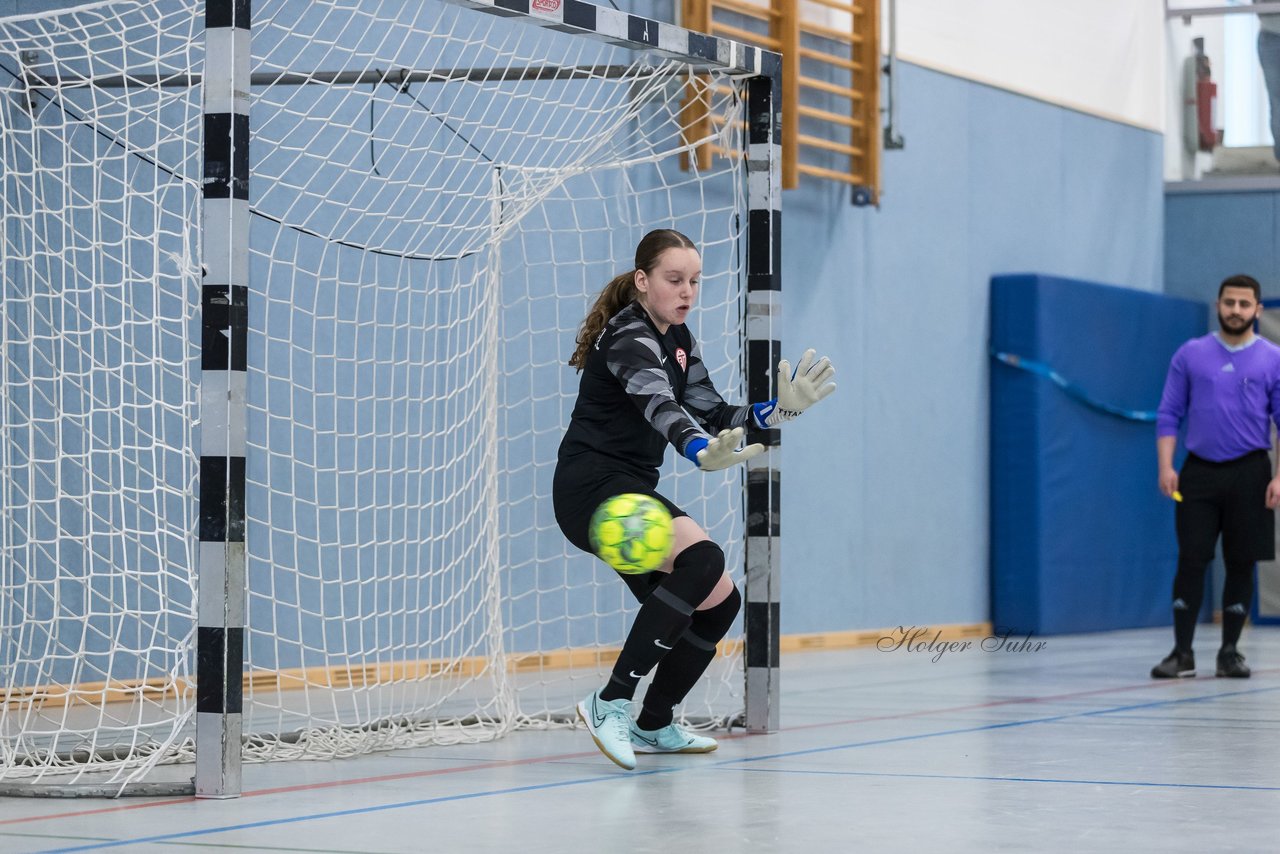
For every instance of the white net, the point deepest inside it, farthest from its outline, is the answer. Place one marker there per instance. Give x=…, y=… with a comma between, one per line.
x=98, y=379
x=437, y=194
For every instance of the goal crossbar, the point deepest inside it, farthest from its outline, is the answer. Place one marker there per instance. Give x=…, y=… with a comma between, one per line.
x=394, y=77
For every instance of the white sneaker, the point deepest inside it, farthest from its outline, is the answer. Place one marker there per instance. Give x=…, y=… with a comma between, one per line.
x=609, y=722
x=670, y=739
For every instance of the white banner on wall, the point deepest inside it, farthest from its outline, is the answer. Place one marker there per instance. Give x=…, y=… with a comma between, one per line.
x=1104, y=57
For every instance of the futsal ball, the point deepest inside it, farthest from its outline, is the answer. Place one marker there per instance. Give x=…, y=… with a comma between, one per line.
x=632, y=532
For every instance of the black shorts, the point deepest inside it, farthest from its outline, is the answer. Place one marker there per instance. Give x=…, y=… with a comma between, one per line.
x=1228, y=498
x=581, y=484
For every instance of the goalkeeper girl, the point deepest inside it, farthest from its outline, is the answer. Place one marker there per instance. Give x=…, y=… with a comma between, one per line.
x=643, y=386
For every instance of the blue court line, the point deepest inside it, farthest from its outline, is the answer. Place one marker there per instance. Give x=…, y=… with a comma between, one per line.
x=271, y=822
x=633, y=774
x=1016, y=779
x=1005, y=725
x=1212, y=719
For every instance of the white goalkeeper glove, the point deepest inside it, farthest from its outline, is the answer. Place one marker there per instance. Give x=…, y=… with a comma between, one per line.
x=721, y=451
x=797, y=390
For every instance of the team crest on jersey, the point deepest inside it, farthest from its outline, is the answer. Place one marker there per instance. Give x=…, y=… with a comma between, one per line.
x=682, y=359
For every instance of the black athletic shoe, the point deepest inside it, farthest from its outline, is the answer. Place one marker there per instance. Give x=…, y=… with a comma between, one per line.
x=1231, y=664
x=1176, y=665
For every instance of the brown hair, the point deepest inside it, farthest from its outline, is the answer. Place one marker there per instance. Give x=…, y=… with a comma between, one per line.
x=621, y=290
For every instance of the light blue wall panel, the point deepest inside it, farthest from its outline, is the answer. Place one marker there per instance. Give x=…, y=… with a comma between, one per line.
x=1209, y=236
x=1112, y=180
x=885, y=486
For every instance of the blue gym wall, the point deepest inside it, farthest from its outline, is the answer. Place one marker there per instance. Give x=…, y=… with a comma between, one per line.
x=885, y=485
x=1209, y=236
x=29, y=7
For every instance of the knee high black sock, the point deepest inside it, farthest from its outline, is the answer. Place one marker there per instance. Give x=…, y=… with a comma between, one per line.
x=1237, y=597
x=658, y=626
x=664, y=616
x=1188, y=595
x=681, y=669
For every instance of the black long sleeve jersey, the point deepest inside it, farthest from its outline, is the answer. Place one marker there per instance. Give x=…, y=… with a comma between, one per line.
x=640, y=390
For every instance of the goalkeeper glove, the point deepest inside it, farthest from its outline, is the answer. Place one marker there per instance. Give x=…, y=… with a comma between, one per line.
x=721, y=451
x=797, y=390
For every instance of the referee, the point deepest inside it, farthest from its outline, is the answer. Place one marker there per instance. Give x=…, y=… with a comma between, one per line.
x=1225, y=388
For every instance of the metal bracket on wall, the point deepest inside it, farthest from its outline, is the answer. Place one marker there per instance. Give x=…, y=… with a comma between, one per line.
x=892, y=139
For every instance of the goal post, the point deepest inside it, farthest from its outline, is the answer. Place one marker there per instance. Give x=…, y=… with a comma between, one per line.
x=284, y=344
x=221, y=580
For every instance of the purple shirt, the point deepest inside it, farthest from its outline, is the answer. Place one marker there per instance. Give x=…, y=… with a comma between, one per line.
x=1224, y=395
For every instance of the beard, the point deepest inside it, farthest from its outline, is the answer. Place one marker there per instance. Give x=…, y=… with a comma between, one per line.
x=1234, y=326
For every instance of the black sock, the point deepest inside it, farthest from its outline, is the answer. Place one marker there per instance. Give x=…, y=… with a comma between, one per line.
x=664, y=616
x=684, y=665
x=1188, y=594
x=676, y=676
x=1237, y=596
x=1184, y=625
x=661, y=620
x=1233, y=617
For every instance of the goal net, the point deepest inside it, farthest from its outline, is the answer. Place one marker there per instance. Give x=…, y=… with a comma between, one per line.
x=436, y=195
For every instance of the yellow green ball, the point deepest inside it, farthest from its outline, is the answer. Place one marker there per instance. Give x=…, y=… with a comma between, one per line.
x=632, y=532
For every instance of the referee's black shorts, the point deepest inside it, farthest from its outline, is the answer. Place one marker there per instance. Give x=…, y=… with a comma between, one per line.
x=1228, y=498
x=582, y=482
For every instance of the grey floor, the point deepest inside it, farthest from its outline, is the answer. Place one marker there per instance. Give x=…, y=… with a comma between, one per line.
x=1070, y=747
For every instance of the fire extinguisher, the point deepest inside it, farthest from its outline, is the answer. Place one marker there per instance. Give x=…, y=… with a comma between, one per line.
x=1201, y=119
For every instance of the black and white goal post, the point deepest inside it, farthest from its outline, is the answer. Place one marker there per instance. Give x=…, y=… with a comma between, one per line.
x=221, y=580
x=764, y=474
x=288, y=294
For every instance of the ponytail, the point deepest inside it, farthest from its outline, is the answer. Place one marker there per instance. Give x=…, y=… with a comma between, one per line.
x=616, y=295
